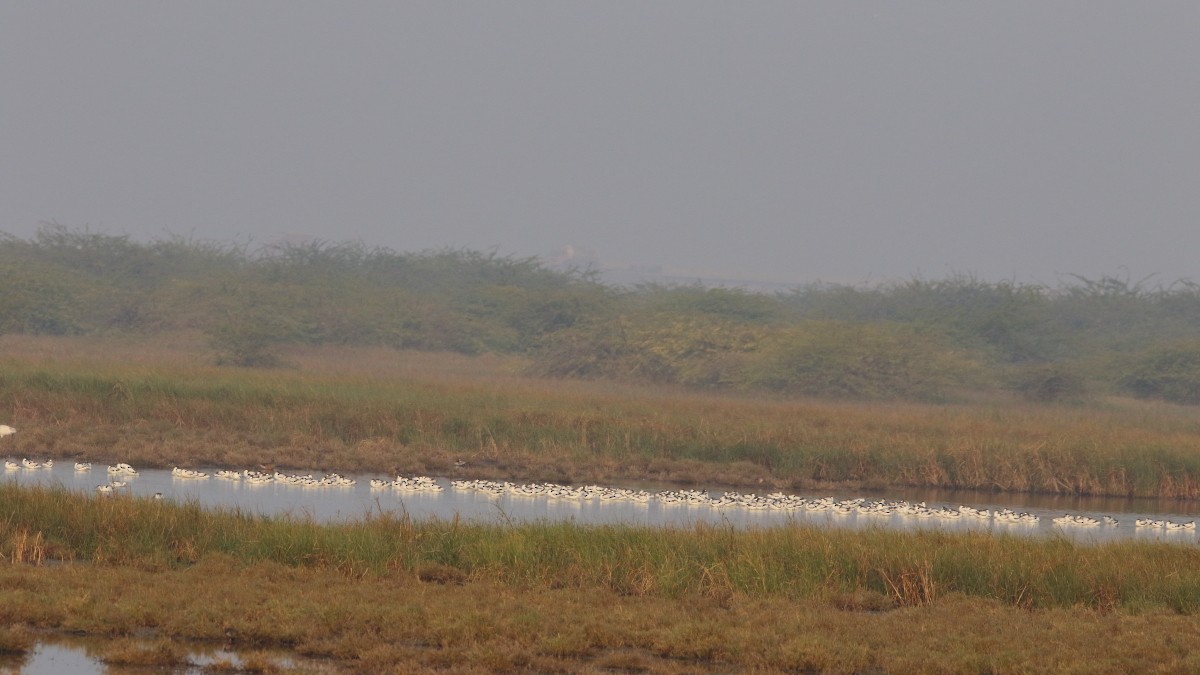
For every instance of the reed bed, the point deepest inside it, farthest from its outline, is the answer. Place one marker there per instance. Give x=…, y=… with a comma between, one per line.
x=400, y=624
x=383, y=411
x=390, y=595
x=907, y=568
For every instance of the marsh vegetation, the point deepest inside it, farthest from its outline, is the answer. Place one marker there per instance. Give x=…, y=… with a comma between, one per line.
x=394, y=594
x=155, y=402
x=342, y=358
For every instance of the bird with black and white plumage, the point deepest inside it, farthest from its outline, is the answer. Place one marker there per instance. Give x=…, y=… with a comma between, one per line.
x=6, y=430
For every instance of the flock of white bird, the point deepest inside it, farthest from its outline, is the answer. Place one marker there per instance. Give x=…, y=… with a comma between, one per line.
x=779, y=501
x=776, y=501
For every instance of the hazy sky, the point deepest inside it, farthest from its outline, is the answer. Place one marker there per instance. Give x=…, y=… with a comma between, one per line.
x=790, y=141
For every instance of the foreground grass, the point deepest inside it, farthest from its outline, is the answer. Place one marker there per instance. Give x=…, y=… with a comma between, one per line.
x=388, y=595
x=399, y=624
x=382, y=411
x=792, y=562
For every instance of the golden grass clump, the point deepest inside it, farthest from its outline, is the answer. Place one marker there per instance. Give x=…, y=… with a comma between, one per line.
x=161, y=653
x=16, y=640
x=25, y=549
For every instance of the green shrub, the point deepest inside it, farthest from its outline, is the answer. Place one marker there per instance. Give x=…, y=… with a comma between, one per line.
x=247, y=341
x=36, y=302
x=1170, y=372
x=732, y=304
x=1050, y=383
x=858, y=360
x=653, y=347
x=903, y=339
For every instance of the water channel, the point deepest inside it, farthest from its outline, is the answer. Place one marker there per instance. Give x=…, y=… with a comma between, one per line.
x=333, y=504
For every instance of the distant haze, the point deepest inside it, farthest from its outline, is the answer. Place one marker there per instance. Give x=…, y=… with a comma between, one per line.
x=780, y=141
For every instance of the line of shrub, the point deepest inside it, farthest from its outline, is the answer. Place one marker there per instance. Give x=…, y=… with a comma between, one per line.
x=918, y=339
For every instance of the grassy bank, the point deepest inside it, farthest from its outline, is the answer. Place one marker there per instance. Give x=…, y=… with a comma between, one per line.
x=793, y=562
x=390, y=595
x=400, y=624
x=157, y=404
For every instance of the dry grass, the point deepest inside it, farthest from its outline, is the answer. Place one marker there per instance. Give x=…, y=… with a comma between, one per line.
x=160, y=653
x=394, y=624
x=16, y=640
x=25, y=549
x=345, y=409
x=399, y=596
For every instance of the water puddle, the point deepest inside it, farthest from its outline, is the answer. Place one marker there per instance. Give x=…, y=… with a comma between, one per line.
x=66, y=655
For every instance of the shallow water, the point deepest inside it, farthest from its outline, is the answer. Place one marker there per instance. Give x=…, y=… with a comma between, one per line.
x=51, y=659
x=331, y=504
x=67, y=655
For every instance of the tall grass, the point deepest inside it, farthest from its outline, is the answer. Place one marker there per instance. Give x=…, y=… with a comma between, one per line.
x=359, y=410
x=911, y=568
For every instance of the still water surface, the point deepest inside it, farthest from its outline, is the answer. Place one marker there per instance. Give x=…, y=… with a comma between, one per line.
x=66, y=655
x=333, y=504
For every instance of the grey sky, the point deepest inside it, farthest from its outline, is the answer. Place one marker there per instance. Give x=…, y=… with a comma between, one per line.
x=790, y=141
